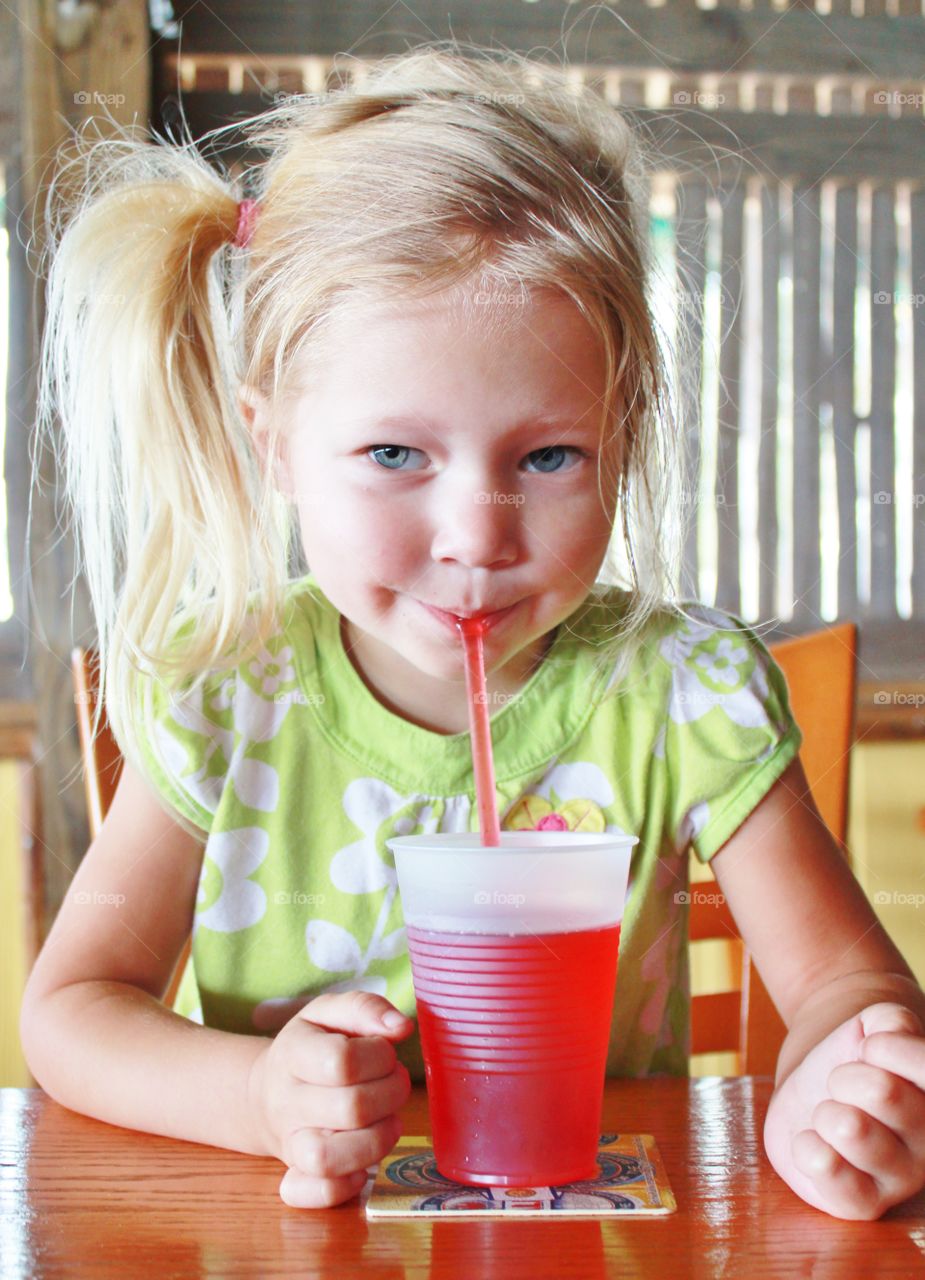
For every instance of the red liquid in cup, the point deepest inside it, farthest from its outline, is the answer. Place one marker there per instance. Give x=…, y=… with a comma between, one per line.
x=515, y=1031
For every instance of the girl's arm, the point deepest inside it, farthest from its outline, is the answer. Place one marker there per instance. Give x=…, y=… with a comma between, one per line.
x=848, y=1107
x=94, y=1032
x=322, y=1096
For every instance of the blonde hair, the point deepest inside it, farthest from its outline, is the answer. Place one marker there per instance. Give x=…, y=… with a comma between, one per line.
x=440, y=167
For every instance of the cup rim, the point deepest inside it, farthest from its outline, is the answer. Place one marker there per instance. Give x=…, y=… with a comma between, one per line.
x=530, y=842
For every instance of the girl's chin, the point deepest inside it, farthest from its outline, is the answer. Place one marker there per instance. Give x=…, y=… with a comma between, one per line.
x=436, y=649
x=447, y=661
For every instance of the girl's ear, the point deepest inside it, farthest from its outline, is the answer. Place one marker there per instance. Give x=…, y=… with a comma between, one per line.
x=255, y=410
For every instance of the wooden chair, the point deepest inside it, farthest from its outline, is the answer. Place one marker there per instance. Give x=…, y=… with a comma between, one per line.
x=821, y=673
x=102, y=762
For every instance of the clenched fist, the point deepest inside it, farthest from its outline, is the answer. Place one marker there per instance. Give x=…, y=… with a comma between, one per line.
x=326, y=1092
x=846, y=1129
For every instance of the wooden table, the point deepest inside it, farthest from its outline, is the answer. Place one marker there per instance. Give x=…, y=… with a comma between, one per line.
x=79, y=1198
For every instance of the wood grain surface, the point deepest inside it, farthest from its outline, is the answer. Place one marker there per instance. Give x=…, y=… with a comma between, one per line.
x=79, y=1198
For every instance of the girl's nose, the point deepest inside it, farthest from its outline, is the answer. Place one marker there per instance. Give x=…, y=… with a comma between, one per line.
x=481, y=528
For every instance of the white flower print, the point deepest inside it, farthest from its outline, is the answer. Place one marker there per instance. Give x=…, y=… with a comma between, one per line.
x=359, y=868
x=692, y=697
x=691, y=825
x=225, y=696
x=241, y=903
x=335, y=949
x=721, y=665
x=271, y=669
x=256, y=719
x=174, y=757
x=331, y=947
x=581, y=780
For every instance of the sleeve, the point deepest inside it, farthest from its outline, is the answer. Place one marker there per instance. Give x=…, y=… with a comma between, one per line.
x=729, y=730
x=186, y=744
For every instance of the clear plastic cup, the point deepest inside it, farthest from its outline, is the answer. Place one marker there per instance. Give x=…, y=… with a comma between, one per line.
x=514, y=959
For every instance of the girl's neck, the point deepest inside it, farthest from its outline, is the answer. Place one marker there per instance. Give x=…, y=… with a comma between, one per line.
x=440, y=706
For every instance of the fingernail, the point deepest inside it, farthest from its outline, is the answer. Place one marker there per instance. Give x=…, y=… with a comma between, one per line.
x=393, y=1018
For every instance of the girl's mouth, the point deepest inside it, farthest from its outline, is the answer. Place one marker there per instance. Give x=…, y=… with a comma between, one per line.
x=488, y=620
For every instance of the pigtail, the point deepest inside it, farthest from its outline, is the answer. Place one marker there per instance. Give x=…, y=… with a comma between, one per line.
x=174, y=520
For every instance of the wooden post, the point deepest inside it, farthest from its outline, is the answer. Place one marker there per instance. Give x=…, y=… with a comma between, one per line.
x=844, y=284
x=807, y=569
x=882, y=389
x=768, y=444
x=729, y=545
x=690, y=250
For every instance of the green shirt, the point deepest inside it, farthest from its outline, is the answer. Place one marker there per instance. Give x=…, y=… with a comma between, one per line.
x=298, y=774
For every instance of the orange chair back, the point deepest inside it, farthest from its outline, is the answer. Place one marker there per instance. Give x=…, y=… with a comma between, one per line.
x=821, y=673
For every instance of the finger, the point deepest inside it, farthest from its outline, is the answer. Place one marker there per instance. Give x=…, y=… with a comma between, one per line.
x=304, y=1192
x=898, y=1052
x=354, y=1106
x=324, y=1154
x=889, y=1016
x=834, y=1184
x=869, y=1146
x=357, y=1013
x=334, y=1059
x=841, y=1045
x=889, y=1098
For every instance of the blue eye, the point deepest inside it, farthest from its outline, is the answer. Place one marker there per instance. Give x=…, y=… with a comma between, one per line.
x=394, y=455
x=550, y=456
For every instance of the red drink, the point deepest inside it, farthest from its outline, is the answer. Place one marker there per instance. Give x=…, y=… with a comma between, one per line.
x=515, y=1030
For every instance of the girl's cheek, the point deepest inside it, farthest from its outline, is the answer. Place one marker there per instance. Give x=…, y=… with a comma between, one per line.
x=385, y=542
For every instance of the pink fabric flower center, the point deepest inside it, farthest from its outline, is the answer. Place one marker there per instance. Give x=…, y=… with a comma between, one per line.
x=552, y=822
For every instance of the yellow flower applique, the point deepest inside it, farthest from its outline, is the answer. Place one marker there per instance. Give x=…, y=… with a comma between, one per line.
x=534, y=813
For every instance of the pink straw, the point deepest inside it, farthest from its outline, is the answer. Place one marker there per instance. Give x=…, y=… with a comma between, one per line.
x=471, y=630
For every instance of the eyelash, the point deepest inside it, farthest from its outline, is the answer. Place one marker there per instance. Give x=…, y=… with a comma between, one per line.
x=565, y=448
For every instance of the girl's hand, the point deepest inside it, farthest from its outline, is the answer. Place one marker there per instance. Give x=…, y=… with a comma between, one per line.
x=325, y=1095
x=846, y=1129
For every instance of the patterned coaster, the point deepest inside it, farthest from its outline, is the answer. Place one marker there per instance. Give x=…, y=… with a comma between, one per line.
x=632, y=1181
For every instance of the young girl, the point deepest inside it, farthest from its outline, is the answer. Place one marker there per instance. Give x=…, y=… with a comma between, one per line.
x=425, y=344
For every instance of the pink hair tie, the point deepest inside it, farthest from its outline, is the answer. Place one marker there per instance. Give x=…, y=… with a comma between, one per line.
x=247, y=218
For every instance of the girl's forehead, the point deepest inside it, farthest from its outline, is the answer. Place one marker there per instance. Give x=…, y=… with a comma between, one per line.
x=435, y=373
x=486, y=308
x=389, y=338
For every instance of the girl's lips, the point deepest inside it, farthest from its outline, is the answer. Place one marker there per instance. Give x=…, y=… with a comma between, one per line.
x=488, y=620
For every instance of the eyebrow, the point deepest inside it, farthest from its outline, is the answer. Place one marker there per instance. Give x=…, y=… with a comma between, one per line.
x=399, y=422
